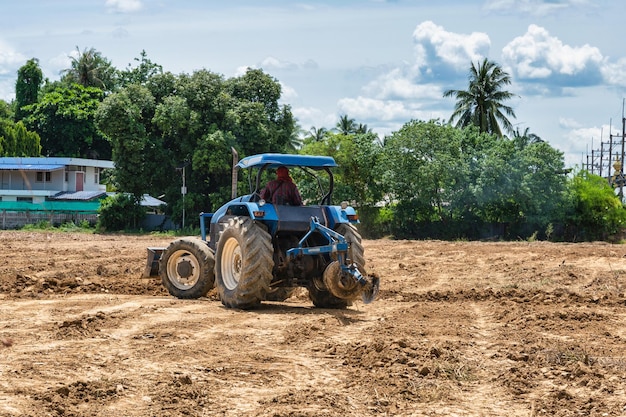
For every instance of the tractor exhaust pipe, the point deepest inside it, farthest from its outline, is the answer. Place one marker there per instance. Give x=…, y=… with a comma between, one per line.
x=233, y=187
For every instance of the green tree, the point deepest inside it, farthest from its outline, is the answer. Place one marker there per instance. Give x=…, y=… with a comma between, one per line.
x=119, y=212
x=521, y=187
x=64, y=119
x=29, y=80
x=16, y=140
x=482, y=104
x=123, y=117
x=90, y=69
x=5, y=110
x=193, y=120
x=140, y=74
x=596, y=213
x=255, y=118
x=358, y=176
x=424, y=166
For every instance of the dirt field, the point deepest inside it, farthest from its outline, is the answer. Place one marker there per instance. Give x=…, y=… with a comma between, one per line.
x=459, y=329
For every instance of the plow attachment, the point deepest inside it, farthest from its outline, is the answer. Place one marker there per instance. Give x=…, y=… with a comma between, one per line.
x=348, y=283
x=342, y=279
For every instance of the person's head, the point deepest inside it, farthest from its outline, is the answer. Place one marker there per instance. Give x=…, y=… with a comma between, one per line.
x=282, y=173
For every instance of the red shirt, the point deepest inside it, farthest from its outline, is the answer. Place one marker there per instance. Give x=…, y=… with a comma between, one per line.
x=283, y=192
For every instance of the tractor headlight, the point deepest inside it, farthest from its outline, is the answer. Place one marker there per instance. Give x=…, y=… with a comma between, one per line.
x=344, y=205
x=261, y=203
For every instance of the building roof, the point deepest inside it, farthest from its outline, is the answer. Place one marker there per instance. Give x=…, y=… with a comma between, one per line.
x=79, y=195
x=30, y=167
x=149, y=201
x=34, y=163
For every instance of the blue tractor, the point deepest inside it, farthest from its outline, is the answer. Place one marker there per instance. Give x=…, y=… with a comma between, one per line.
x=255, y=251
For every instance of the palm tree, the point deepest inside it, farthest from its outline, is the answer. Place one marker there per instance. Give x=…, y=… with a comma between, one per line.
x=526, y=138
x=88, y=69
x=362, y=129
x=345, y=125
x=482, y=103
x=317, y=134
x=295, y=139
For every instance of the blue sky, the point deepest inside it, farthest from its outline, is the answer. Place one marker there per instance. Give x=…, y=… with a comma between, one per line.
x=382, y=63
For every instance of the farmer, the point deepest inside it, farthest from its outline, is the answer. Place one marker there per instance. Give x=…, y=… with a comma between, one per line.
x=282, y=190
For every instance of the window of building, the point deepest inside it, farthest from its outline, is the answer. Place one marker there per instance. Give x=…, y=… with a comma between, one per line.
x=43, y=176
x=96, y=176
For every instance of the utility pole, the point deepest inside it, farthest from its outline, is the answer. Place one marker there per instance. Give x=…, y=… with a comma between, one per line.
x=621, y=171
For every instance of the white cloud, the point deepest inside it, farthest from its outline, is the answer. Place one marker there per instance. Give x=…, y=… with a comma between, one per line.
x=434, y=43
x=61, y=61
x=240, y=71
x=581, y=138
x=310, y=64
x=365, y=108
x=615, y=73
x=124, y=6
x=287, y=93
x=398, y=85
x=537, y=55
x=10, y=60
x=531, y=7
x=568, y=123
x=579, y=141
x=313, y=117
x=271, y=63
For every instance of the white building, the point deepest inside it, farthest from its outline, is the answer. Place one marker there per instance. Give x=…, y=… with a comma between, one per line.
x=52, y=189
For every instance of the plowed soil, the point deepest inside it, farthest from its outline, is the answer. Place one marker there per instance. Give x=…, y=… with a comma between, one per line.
x=459, y=329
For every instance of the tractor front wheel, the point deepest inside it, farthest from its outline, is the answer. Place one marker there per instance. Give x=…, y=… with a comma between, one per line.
x=186, y=268
x=244, y=262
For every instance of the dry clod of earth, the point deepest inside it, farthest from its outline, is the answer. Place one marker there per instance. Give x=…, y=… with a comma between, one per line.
x=459, y=329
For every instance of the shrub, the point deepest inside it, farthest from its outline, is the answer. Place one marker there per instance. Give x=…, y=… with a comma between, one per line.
x=120, y=212
x=597, y=213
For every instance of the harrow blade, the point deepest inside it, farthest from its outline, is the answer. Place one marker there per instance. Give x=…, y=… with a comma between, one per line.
x=370, y=290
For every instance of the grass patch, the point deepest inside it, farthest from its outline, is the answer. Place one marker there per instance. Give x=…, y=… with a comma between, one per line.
x=68, y=227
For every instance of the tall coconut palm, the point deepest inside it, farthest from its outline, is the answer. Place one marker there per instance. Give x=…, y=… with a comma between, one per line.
x=296, y=138
x=482, y=104
x=523, y=139
x=317, y=134
x=90, y=69
x=363, y=129
x=346, y=125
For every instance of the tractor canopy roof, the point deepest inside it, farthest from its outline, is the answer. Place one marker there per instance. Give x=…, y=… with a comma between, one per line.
x=273, y=160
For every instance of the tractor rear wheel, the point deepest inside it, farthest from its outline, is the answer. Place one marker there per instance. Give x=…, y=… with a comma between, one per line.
x=322, y=298
x=356, y=253
x=186, y=268
x=244, y=263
